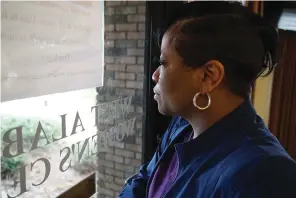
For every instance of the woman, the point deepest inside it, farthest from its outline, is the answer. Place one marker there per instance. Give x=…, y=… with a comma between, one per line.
x=216, y=145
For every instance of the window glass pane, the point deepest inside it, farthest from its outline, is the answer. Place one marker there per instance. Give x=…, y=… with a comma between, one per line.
x=54, y=143
x=60, y=125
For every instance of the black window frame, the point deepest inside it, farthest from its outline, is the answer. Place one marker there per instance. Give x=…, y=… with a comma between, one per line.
x=155, y=124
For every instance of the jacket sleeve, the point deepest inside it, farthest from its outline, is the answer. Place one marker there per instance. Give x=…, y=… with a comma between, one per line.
x=136, y=186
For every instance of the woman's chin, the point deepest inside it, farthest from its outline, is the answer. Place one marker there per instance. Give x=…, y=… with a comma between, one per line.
x=162, y=110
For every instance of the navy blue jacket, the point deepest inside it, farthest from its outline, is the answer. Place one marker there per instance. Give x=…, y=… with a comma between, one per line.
x=237, y=157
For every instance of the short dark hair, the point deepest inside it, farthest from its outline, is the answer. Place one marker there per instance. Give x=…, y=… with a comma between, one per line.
x=241, y=40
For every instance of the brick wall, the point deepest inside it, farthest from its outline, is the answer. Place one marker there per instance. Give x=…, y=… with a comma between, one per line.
x=124, y=75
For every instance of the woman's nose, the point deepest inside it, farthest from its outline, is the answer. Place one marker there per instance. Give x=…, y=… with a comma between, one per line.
x=155, y=75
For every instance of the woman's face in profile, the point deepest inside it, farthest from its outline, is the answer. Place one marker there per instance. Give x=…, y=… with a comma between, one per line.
x=176, y=84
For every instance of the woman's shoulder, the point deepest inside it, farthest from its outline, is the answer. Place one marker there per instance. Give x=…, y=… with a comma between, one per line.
x=255, y=172
x=258, y=153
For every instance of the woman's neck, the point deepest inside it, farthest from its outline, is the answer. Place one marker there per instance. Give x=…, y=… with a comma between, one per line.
x=202, y=120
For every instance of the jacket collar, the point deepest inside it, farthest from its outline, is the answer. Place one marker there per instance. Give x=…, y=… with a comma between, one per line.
x=226, y=131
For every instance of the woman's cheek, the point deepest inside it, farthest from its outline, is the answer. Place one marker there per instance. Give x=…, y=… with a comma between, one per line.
x=162, y=77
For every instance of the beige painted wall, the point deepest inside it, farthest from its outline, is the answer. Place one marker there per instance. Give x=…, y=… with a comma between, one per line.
x=262, y=98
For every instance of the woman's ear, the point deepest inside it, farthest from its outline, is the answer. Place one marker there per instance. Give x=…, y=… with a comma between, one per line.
x=213, y=74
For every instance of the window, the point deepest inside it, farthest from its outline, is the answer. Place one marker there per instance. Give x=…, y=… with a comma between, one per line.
x=287, y=20
x=70, y=114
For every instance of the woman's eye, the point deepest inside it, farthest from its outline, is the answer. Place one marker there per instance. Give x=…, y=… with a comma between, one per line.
x=162, y=63
x=159, y=62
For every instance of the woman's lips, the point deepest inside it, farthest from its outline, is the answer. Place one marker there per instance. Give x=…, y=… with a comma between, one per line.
x=156, y=96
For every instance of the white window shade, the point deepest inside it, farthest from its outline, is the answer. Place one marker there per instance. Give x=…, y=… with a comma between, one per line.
x=288, y=20
x=50, y=47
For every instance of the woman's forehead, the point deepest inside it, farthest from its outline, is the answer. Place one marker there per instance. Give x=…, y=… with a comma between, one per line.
x=172, y=33
x=165, y=44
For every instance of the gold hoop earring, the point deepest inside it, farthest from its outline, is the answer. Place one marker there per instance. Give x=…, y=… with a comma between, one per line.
x=201, y=108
